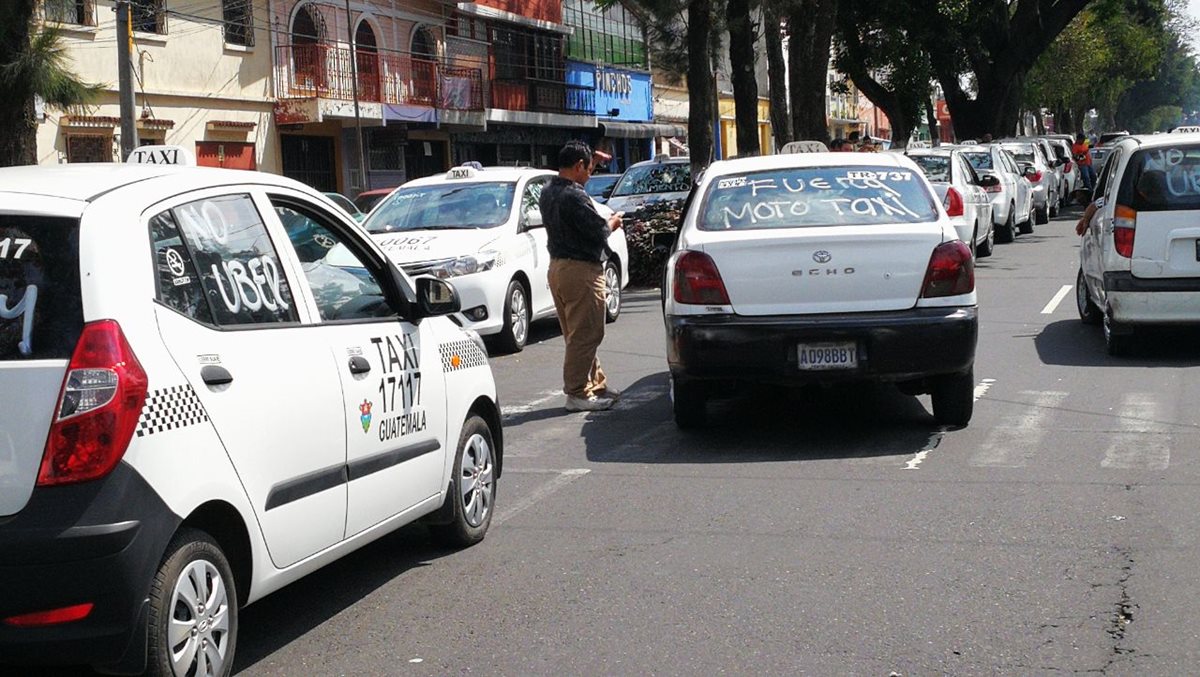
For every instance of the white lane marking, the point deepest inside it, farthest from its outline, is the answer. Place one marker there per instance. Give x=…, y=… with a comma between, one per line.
x=1011, y=446
x=1062, y=294
x=936, y=437
x=562, y=479
x=517, y=409
x=1140, y=444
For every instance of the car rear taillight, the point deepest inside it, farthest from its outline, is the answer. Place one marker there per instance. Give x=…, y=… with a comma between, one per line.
x=1036, y=177
x=1124, y=230
x=68, y=614
x=98, y=408
x=951, y=271
x=698, y=282
x=1068, y=167
x=953, y=202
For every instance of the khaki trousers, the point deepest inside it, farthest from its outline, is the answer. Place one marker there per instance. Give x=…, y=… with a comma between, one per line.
x=578, y=291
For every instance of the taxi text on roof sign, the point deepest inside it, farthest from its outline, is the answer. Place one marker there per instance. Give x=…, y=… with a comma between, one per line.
x=465, y=171
x=162, y=155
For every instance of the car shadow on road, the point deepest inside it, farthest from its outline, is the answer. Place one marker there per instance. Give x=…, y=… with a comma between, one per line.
x=284, y=616
x=761, y=424
x=1071, y=343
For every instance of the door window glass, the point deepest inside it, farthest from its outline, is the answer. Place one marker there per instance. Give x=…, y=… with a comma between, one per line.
x=41, y=313
x=529, y=200
x=235, y=260
x=344, y=286
x=179, y=286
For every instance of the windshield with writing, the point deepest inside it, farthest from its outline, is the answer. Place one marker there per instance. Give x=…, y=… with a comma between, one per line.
x=41, y=312
x=936, y=167
x=672, y=177
x=818, y=196
x=1162, y=179
x=449, y=206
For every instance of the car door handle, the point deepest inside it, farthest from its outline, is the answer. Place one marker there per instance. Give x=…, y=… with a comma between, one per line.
x=359, y=365
x=214, y=375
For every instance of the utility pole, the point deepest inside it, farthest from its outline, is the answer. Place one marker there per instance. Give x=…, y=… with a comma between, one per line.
x=362, y=156
x=129, y=138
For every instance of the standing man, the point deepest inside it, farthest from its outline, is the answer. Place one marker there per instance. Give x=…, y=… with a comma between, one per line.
x=577, y=237
x=1083, y=158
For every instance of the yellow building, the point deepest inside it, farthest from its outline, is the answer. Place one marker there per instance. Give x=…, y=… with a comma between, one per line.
x=203, y=81
x=726, y=108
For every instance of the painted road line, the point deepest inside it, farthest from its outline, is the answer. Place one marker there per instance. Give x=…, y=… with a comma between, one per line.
x=1062, y=294
x=561, y=479
x=515, y=410
x=935, y=438
x=1141, y=443
x=1012, y=446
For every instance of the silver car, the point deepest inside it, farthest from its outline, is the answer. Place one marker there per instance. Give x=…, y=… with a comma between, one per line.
x=963, y=194
x=1012, y=201
x=1036, y=167
x=658, y=180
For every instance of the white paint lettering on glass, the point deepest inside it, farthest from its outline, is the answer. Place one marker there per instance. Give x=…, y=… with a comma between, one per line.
x=14, y=247
x=24, y=308
x=253, y=285
x=205, y=218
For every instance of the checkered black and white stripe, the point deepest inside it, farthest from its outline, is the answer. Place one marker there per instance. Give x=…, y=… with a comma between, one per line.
x=469, y=355
x=170, y=409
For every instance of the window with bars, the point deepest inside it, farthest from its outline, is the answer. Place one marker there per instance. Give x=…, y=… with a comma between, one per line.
x=149, y=16
x=77, y=12
x=525, y=54
x=613, y=36
x=239, y=22
x=89, y=148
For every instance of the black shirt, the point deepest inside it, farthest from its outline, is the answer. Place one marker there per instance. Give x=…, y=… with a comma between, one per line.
x=573, y=228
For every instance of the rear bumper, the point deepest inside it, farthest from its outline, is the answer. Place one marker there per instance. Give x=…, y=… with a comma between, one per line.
x=1136, y=300
x=892, y=346
x=98, y=542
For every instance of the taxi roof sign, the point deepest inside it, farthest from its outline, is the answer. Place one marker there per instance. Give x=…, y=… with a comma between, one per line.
x=161, y=155
x=466, y=171
x=804, y=147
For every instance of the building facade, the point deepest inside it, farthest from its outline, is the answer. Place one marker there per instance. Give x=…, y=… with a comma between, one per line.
x=202, y=81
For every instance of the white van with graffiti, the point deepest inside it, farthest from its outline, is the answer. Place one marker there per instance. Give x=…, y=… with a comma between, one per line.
x=1139, y=262
x=212, y=383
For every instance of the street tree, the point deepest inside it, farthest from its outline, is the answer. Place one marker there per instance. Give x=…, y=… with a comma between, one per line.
x=781, y=120
x=33, y=63
x=810, y=26
x=741, y=73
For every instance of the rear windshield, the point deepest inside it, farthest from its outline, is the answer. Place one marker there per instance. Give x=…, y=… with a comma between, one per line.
x=444, y=206
x=936, y=167
x=817, y=196
x=1162, y=179
x=1021, y=153
x=671, y=177
x=979, y=160
x=41, y=314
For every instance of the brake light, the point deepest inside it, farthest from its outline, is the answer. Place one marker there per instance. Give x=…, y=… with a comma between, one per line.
x=98, y=407
x=52, y=617
x=951, y=271
x=953, y=202
x=1036, y=177
x=1124, y=230
x=1068, y=167
x=698, y=282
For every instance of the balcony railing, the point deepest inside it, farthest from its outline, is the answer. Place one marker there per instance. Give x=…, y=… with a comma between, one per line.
x=543, y=96
x=324, y=71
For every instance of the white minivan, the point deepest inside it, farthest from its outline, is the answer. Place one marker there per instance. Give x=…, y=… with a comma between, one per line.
x=483, y=229
x=212, y=383
x=1139, y=263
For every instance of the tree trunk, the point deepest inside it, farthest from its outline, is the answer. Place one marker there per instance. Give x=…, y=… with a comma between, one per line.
x=935, y=134
x=810, y=25
x=702, y=101
x=745, y=85
x=18, y=138
x=776, y=74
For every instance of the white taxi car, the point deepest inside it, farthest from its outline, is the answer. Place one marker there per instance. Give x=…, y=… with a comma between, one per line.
x=211, y=384
x=1139, y=262
x=820, y=267
x=483, y=229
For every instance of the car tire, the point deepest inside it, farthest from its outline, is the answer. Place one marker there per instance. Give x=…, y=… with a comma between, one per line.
x=612, y=291
x=1054, y=207
x=1008, y=231
x=185, y=635
x=515, y=332
x=989, y=244
x=689, y=401
x=1041, y=216
x=1089, y=312
x=471, y=497
x=953, y=398
x=1118, y=340
x=1026, y=226
x=971, y=244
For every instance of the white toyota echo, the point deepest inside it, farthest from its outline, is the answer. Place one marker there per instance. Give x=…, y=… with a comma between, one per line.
x=211, y=384
x=483, y=229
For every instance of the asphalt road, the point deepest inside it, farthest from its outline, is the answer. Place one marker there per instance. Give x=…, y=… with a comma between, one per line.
x=824, y=532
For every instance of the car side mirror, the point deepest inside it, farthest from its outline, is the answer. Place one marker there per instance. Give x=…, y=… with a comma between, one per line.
x=436, y=297
x=533, y=219
x=1029, y=171
x=989, y=180
x=663, y=241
